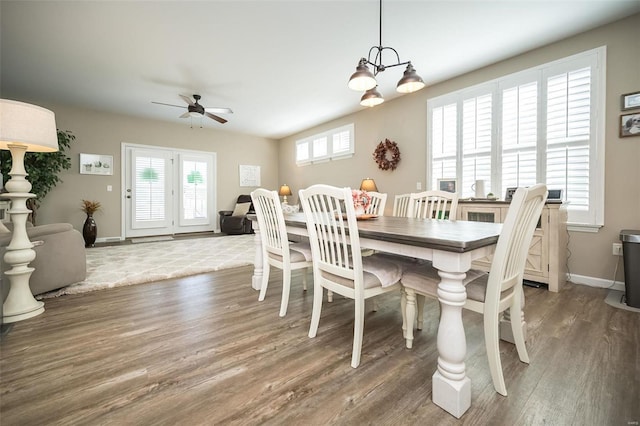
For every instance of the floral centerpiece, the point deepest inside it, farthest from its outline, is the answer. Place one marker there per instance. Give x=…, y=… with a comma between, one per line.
x=361, y=200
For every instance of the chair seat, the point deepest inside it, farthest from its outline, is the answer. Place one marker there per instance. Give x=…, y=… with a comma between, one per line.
x=424, y=279
x=298, y=252
x=377, y=271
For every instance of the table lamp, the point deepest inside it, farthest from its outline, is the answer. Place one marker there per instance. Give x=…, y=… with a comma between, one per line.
x=23, y=127
x=368, y=185
x=284, y=191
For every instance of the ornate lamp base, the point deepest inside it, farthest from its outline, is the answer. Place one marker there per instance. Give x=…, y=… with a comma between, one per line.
x=20, y=303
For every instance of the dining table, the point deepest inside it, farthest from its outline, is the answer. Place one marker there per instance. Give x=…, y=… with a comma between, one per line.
x=451, y=246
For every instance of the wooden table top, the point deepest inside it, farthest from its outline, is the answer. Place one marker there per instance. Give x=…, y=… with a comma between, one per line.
x=457, y=236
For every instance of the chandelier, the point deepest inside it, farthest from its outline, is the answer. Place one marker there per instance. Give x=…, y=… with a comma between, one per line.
x=364, y=80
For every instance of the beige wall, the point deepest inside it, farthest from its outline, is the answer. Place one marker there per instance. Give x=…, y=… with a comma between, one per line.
x=404, y=121
x=103, y=133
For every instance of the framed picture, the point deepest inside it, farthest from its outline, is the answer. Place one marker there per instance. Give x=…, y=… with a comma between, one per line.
x=631, y=101
x=448, y=185
x=95, y=164
x=630, y=125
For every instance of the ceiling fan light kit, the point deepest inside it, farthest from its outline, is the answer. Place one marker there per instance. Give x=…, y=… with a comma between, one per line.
x=195, y=110
x=364, y=80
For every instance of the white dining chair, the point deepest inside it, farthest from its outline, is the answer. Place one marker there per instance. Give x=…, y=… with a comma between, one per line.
x=401, y=205
x=338, y=265
x=433, y=205
x=490, y=294
x=377, y=204
x=277, y=251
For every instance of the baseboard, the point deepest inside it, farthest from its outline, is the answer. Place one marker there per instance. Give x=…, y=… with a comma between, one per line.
x=595, y=282
x=109, y=239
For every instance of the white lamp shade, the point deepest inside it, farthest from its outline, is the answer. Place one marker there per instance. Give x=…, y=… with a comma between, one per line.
x=26, y=124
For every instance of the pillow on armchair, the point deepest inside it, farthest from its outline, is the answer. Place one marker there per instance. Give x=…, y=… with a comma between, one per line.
x=235, y=222
x=241, y=209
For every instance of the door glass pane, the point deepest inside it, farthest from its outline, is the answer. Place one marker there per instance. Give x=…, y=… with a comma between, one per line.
x=194, y=189
x=149, y=189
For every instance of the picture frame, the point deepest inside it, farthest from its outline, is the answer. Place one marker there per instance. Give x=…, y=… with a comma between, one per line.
x=630, y=101
x=96, y=164
x=448, y=185
x=630, y=125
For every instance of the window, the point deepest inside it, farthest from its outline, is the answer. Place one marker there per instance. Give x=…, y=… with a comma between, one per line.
x=544, y=124
x=330, y=145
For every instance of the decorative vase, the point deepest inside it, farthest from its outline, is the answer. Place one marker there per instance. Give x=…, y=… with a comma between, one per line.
x=89, y=231
x=359, y=209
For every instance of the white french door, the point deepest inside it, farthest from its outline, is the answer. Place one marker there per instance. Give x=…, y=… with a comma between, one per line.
x=167, y=191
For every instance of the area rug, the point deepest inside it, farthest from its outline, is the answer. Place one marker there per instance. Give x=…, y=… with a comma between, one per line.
x=128, y=264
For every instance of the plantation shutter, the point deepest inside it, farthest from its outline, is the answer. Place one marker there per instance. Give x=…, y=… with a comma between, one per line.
x=568, y=135
x=320, y=148
x=545, y=124
x=195, y=184
x=444, y=143
x=477, y=117
x=303, y=153
x=519, y=134
x=341, y=142
x=149, y=189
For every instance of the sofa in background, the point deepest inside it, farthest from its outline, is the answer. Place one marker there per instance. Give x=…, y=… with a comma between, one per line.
x=60, y=259
x=235, y=222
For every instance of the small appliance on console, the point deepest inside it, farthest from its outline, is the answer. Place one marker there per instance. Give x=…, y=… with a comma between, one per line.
x=554, y=194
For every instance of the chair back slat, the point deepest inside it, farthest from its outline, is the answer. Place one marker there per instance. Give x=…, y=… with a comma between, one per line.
x=378, y=203
x=333, y=231
x=401, y=205
x=433, y=205
x=273, y=230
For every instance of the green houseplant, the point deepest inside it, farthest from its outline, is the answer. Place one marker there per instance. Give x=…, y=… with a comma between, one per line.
x=43, y=169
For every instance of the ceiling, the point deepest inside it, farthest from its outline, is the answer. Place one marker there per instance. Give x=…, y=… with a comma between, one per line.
x=281, y=66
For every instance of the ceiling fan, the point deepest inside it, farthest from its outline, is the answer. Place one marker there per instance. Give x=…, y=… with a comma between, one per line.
x=194, y=108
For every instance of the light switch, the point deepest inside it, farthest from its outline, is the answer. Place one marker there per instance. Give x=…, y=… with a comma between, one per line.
x=418, y=186
x=109, y=188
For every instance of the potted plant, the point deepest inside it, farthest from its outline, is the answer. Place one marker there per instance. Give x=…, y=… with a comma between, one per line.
x=90, y=228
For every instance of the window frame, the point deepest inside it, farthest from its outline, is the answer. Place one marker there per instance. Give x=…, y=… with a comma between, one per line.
x=329, y=154
x=593, y=219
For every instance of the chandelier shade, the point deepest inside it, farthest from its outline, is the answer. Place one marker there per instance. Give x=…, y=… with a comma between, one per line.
x=371, y=98
x=362, y=79
x=410, y=81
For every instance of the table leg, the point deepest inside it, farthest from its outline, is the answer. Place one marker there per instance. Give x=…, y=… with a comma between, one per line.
x=451, y=387
x=256, y=279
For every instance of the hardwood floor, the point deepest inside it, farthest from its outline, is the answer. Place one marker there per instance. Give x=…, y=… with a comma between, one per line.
x=203, y=350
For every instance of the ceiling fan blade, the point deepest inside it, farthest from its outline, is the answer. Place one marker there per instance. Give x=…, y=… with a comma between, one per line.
x=185, y=115
x=215, y=117
x=161, y=103
x=219, y=110
x=187, y=99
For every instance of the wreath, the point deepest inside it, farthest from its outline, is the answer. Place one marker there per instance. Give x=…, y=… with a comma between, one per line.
x=383, y=151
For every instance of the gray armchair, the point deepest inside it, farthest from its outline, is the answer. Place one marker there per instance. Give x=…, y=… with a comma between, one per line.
x=235, y=222
x=60, y=260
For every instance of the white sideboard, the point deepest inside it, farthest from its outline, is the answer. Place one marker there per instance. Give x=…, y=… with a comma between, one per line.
x=547, y=259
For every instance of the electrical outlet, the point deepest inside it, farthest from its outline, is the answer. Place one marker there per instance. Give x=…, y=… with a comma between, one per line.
x=617, y=249
x=418, y=186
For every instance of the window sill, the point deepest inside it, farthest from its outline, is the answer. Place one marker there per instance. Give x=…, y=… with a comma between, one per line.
x=583, y=227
